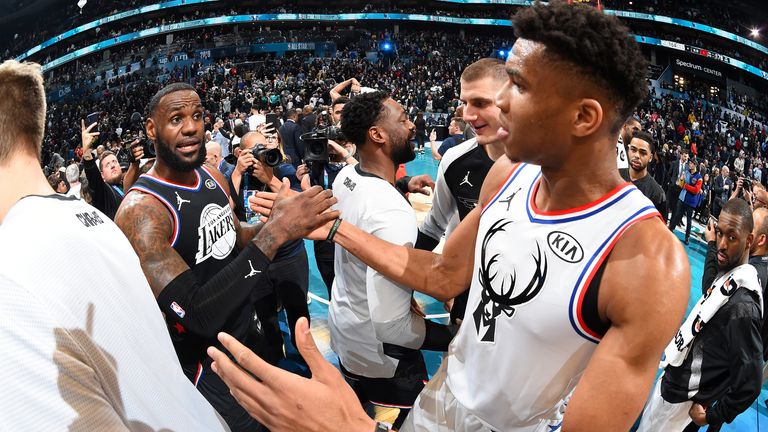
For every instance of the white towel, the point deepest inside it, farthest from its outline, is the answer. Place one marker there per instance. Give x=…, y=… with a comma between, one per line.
x=743, y=276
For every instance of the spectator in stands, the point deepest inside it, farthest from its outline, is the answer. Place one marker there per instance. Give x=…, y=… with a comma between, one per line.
x=721, y=190
x=73, y=177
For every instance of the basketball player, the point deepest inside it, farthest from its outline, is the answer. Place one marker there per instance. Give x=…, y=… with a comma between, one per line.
x=550, y=302
x=714, y=364
x=374, y=331
x=86, y=344
x=203, y=267
x=464, y=167
x=641, y=149
x=631, y=126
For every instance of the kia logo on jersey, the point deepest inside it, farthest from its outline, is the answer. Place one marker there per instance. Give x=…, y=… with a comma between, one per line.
x=565, y=247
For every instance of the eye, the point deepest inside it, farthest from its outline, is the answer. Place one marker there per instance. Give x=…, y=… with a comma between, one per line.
x=175, y=119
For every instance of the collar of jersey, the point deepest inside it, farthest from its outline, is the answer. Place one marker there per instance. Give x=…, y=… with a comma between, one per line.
x=196, y=187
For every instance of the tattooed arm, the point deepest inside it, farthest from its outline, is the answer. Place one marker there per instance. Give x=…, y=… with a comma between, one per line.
x=202, y=307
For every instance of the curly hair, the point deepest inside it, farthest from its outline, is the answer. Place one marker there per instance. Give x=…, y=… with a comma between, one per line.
x=360, y=113
x=597, y=44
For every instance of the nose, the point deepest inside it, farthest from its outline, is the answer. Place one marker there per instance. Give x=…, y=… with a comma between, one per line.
x=502, y=96
x=190, y=126
x=469, y=113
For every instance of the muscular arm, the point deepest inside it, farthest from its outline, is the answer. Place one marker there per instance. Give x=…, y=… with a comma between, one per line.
x=643, y=295
x=206, y=304
x=442, y=276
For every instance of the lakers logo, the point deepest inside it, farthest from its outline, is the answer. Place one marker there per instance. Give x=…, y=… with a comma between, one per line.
x=216, y=233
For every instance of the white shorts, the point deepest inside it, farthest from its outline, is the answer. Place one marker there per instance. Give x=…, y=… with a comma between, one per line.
x=660, y=415
x=437, y=410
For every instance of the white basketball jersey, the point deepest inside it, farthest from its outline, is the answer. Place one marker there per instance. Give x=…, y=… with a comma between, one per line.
x=524, y=342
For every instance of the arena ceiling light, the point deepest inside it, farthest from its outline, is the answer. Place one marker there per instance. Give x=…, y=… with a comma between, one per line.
x=755, y=32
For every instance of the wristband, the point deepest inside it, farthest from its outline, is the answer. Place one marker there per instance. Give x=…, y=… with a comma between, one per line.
x=381, y=427
x=348, y=155
x=334, y=228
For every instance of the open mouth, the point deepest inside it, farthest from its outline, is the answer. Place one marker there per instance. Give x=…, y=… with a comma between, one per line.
x=188, y=147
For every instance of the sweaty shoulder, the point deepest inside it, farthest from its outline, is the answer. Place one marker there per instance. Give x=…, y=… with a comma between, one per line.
x=647, y=272
x=140, y=213
x=495, y=178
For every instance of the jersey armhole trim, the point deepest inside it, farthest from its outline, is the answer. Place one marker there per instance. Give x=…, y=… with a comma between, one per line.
x=576, y=313
x=175, y=236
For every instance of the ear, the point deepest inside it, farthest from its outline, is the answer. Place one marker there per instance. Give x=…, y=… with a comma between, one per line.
x=377, y=135
x=762, y=240
x=150, y=127
x=589, y=117
x=750, y=239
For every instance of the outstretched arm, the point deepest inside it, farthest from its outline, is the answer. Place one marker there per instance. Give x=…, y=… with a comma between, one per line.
x=643, y=294
x=202, y=307
x=442, y=276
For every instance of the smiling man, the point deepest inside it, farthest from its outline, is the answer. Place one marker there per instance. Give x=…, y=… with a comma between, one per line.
x=203, y=267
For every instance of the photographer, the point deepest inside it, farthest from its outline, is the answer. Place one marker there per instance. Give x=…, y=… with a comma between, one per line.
x=106, y=183
x=287, y=276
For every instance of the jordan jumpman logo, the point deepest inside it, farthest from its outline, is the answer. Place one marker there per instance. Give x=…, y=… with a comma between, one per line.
x=180, y=201
x=509, y=199
x=253, y=271
x=466, y=180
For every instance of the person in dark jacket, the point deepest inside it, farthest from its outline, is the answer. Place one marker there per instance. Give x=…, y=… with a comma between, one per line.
x=106, y=183
x=715, y=361
x=758, y=258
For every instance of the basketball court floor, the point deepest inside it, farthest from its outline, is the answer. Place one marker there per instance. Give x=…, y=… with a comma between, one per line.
x=753, y=420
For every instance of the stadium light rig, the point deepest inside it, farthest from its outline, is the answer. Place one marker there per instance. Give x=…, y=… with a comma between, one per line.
x=755, y=32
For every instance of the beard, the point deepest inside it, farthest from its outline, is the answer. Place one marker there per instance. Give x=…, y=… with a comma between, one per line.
x=404, y=152
x=173, y=160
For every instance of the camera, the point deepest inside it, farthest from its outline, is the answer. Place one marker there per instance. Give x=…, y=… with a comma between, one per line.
x=137, y=124
x=267, y=156
x=746, y=184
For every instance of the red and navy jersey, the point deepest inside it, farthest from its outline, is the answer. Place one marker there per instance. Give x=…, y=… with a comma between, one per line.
x=205, y=237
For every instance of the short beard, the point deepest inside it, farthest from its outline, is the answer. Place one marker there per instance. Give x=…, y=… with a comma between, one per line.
x=171, y=159
x=403, y=153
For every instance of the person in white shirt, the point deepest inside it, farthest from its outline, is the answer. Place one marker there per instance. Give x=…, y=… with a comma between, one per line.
x=86, y=342
x=73, y=178
x=257, y=118
x=374, y=330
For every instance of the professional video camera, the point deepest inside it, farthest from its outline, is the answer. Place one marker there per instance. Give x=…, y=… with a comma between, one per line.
x=137, y=128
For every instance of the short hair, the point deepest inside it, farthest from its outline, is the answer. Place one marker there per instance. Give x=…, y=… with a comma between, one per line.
x=645, y=136
x=72, y=173
x=339, y=100
x=738, y=207
x=170, y=88
x=360, y=113
x=485, y=68
x=460, y=123
x=104, y=156
x=21, y=85
x=597, y=46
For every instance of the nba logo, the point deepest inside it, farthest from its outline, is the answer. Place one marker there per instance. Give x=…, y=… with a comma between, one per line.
x=179, y=311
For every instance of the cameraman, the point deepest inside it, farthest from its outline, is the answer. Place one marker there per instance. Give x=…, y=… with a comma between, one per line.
x=288, y=273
